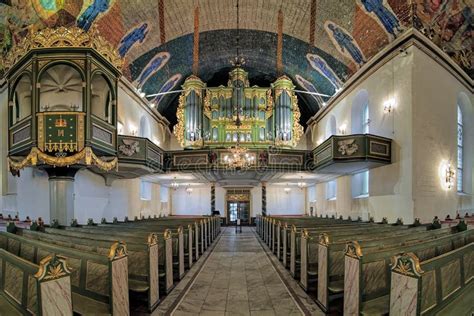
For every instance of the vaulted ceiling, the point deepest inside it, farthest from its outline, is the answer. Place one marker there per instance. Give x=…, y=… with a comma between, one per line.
x=323, y=42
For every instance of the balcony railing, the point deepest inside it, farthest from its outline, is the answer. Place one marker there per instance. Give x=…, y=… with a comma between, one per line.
x=348, y=153
x=140, y=151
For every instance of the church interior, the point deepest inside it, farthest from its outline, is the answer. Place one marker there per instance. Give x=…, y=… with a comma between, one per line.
x=236, y=157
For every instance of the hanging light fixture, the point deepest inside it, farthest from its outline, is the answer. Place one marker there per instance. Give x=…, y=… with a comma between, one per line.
x=287, y=189
x=301, y=184
x=189, y=190
x=239, y=157
x=238, y=60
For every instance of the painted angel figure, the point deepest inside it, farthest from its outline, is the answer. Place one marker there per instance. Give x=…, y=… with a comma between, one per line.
x=386, y=17
x=153, y=67
x=91, y=13
x=321, y=66
x=346, y=44
x=137, y=35
x=168, y=86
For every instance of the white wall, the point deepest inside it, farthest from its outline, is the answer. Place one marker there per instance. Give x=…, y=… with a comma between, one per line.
x=281, y=203
x=196, y=203
x=434, y=139
x=423, y=129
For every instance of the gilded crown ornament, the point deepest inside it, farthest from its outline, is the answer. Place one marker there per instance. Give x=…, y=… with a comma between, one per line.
x=63, y=37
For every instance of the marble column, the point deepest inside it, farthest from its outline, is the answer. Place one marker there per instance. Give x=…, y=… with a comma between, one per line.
x=61, y=194
x=264, y=199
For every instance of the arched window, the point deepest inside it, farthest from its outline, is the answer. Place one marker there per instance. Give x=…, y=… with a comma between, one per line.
x=331, y=188
x=360, y=113
x=145, y=190
x=360, y=185
x=365, y=119
x=460, y=144
x=330, y=126
x=102, y=99
x=21, y=99
x=145, y=130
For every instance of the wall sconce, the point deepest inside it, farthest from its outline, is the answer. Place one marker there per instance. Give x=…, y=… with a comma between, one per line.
x=141, y=93
x=450, y=174
x=133, y=131
x=342, y=129
x=388, y=106
x=174, y=184
x=447, y=175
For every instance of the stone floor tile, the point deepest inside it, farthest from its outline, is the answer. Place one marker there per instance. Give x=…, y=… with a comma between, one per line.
x=239, y=278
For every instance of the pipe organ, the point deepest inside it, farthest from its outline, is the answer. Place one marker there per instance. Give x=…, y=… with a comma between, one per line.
x=257, y=117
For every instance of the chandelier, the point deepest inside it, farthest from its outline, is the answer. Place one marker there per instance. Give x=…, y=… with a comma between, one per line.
x=301, y=184
x=239, y=157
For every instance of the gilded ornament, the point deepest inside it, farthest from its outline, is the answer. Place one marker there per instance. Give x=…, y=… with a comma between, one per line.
x=353, y=250
x=167, y=234
x=152, y=239
x=52, y=267
x=324, y=239
x=118, y=250
x=86, y=155
x=63, y=37
x=407, y=264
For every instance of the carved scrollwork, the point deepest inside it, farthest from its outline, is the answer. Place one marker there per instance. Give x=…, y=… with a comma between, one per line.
x=129, y=147
x=347, y=147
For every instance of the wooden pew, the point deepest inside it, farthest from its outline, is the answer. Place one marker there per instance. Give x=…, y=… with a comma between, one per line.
x=176, y=243
x=165, y=251
x=330, y=256
x=367, y=276
x=180, y=239
x=99, y=283
x=295, y=245
x=430, y=287
x=27, y=288
x=306, y=246
x=143, y=271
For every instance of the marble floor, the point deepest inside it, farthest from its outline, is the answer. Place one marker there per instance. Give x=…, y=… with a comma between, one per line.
x=238, y=278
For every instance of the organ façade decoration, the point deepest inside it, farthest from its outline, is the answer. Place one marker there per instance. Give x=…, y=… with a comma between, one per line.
x=253, y=116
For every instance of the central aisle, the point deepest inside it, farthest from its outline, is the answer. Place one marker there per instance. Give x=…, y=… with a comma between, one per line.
x=238, y=279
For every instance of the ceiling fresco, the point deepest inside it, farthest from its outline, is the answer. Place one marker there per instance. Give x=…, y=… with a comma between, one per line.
x=324, y=42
